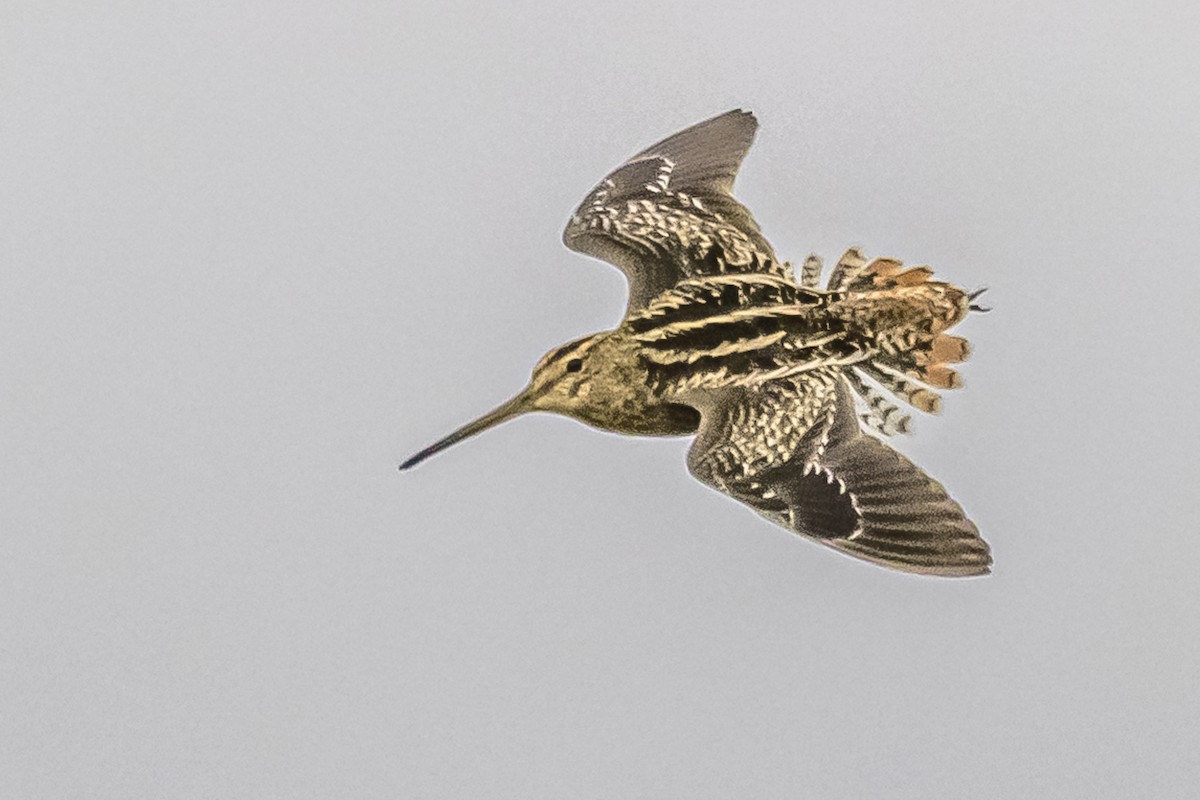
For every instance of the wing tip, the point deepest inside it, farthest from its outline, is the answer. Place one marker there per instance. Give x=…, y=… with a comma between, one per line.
x=742, y=115
x=973, y=563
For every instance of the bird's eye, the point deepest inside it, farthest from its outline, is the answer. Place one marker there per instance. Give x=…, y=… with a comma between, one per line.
x=574, y=365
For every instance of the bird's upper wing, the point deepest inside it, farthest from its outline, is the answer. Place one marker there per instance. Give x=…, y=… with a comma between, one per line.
x=668, y=212
x=794, y=452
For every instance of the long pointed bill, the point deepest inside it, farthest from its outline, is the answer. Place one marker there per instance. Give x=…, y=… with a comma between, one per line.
x=515, y=407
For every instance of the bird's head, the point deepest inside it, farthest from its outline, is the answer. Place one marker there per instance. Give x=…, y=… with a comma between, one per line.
x=560, y=384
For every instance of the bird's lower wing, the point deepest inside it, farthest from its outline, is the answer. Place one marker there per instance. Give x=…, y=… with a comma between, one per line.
x=794, y=452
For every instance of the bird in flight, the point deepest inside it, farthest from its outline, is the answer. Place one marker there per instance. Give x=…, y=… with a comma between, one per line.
x=788, y=387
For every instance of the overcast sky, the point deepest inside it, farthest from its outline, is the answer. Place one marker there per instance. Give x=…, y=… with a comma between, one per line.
x=253, y=255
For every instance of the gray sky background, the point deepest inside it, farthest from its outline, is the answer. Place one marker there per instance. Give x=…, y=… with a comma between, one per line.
x=255, y=254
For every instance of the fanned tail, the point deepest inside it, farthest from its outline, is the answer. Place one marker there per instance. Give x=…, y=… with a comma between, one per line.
x=908, y=312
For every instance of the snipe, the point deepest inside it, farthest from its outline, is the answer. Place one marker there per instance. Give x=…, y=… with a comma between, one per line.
x=776, y=377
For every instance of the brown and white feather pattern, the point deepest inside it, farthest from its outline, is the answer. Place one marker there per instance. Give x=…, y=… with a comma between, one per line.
x=748, y=432
x=668, y=213
x=739, y=330
x=793, y=451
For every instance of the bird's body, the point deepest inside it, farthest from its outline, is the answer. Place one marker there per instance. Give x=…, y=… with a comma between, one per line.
x=721, y=340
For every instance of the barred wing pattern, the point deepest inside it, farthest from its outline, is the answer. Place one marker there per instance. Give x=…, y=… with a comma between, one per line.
x=668, y=213
x=794, y=452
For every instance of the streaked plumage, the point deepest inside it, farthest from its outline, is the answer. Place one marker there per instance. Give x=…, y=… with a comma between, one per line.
x=775, y=377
